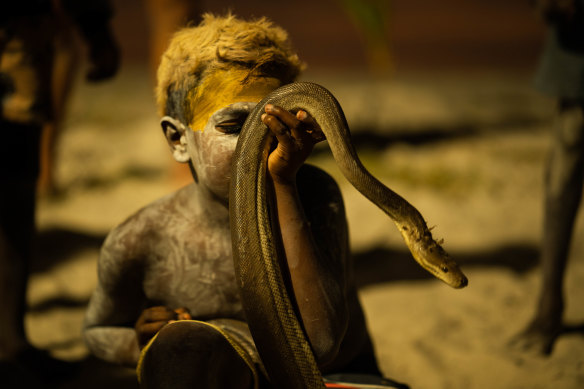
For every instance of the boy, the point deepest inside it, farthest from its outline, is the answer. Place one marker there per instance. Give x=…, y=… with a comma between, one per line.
x=167, y=299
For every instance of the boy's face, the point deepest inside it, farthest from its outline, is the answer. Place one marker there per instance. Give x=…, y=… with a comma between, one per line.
x=211, y=149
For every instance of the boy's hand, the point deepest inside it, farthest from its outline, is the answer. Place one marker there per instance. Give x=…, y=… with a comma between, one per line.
x=296, y=135
x=154, y=318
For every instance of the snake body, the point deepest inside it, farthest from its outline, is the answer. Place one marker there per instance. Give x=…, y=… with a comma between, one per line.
x=271, y=315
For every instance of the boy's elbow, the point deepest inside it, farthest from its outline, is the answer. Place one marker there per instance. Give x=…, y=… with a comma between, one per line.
x=326, y=348
x=327, y=326
x=113, y=344
x=326, y=341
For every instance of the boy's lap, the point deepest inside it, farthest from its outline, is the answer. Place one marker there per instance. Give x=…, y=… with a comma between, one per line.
x=215, y=353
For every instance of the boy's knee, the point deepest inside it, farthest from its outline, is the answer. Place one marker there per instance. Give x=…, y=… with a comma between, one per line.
x=188, y=354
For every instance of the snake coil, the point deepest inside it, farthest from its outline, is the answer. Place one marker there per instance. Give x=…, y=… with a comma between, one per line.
x=277, y=331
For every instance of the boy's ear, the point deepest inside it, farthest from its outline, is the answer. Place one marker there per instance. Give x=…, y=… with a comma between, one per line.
x=175, y=133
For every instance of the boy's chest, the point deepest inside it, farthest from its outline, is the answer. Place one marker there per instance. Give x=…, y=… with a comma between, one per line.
x=195, y=272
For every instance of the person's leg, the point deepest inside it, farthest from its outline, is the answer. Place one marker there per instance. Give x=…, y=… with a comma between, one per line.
x=563, y=191
x=191, y=354
x=66, y=64
x=19, y=360
x=16, y=214
x=17, y=204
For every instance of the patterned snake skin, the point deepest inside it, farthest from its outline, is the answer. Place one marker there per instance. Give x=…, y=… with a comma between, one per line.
x=275, y=327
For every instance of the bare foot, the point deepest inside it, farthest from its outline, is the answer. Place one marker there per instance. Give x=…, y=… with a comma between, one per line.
x=538, y=338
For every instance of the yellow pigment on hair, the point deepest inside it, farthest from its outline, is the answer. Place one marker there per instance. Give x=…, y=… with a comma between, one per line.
x=225, y=87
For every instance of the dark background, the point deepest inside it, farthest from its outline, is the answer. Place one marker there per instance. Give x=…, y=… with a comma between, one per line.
x=422, y=35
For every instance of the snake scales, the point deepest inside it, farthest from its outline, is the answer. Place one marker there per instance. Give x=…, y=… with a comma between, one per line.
x=276, y=329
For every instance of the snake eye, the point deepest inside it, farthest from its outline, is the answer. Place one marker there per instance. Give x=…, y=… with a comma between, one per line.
x=444, y=269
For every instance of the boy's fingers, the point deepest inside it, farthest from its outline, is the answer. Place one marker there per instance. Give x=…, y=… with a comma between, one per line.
x=311, y=125
x=304, y=117
x=283, y=115
x=288, y=126
x=308, y=120
x=181, y=310
x=182, y=314
x=278, y=129
x=155, y=314
x=152, y=328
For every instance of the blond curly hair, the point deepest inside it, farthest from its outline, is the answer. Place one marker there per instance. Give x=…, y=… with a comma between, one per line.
x=221, y=43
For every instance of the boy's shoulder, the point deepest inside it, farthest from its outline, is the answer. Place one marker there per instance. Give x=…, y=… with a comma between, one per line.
x=161, y=211
x=150, y=222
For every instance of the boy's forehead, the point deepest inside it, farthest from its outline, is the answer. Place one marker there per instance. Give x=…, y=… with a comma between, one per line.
x=224, y=88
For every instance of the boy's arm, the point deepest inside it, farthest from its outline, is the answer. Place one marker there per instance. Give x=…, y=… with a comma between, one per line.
x=317, y=279
x=115, y=304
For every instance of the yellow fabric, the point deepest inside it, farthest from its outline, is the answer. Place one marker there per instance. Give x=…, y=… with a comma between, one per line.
x=240, y=351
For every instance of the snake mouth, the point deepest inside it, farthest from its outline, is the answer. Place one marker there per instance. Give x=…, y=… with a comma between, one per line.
x=463, y=283
x=445, y=269
x=453, y=277
x=434, y=259
x=449, y=274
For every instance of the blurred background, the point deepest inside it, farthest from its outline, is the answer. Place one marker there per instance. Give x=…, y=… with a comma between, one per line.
x=439, y=99
x=340, y=35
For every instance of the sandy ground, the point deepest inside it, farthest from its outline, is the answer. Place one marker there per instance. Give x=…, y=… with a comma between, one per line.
x=466, y=150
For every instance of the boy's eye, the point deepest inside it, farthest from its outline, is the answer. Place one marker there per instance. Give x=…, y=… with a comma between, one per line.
x=230, y=127
x=232, y=122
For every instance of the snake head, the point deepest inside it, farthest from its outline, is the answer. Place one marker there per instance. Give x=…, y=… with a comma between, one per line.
x=432, y=257
x=445, y=268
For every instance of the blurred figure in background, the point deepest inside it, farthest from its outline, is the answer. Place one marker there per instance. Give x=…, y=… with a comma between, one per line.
x=164, y=18
x=66, y=63
x=561, y=75
x=28, y=29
